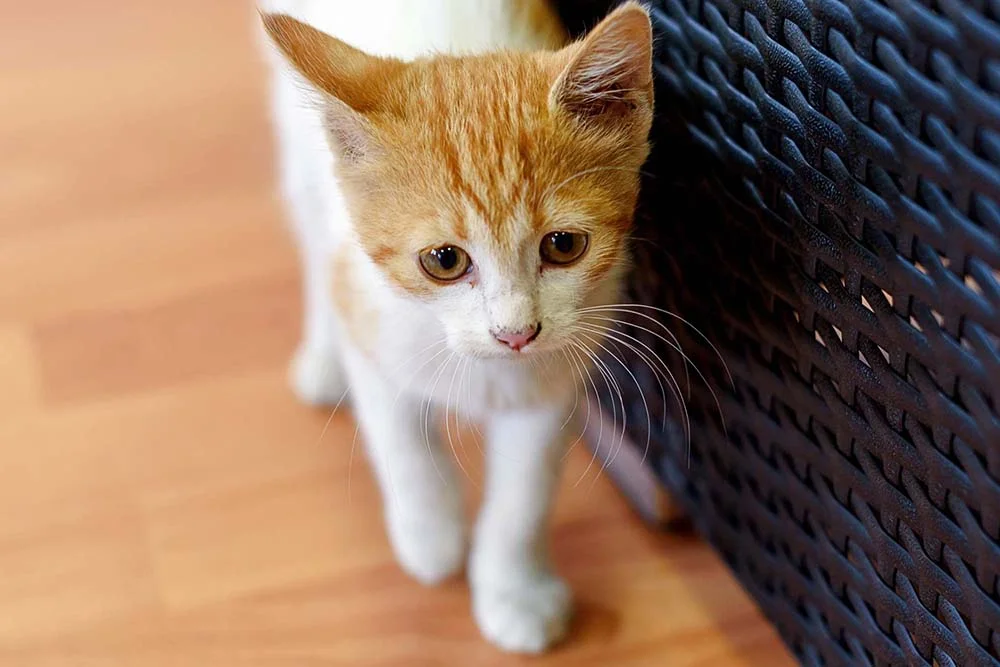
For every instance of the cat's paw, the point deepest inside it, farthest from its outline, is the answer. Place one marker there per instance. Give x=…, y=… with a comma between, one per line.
x=316, y=375
x=429, y=549
x=525, y=617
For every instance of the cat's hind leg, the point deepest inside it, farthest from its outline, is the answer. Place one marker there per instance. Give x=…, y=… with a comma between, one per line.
x=316, y=372
x=311, y=195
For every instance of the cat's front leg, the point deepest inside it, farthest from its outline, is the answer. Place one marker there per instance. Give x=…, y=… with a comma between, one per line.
x=520, y=604
x=420, y=493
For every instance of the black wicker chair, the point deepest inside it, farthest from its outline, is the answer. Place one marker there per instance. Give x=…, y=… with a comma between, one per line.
x=823, y=203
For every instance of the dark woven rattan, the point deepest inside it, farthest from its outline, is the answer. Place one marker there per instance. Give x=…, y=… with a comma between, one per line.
x=823, y=202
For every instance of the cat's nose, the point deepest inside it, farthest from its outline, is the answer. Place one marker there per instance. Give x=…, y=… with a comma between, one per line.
x=516, y=340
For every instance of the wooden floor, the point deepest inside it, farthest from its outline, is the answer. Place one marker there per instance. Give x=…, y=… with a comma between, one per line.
x=165, y=501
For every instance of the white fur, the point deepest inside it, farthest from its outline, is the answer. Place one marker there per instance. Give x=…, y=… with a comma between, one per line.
x=441, y=351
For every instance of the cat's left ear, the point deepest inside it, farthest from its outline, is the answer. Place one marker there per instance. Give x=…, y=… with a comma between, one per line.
x=354, y=83
x=609, y=76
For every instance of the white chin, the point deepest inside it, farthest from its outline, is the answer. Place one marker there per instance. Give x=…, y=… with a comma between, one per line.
x=496, y=352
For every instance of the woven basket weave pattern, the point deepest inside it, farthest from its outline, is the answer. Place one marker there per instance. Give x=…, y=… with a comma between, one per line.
x=823, y=203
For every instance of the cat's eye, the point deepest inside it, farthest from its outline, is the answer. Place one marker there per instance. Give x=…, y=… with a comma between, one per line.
x=445, y=263
x=562, y=248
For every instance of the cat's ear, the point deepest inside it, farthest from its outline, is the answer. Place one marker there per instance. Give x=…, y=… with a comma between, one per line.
x=351, y=82
x=609, y=76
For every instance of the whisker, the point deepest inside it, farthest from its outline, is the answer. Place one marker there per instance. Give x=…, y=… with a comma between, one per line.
x=675, y=387
x=406, y=383
x=606, y=371
x=475, y=419
x=350, y=461
x=427, y=415
x=584, y=355
x=357, y=426
x=425, y=402
x=673, y=343
x=576, y=393
x=399, y=367
x=657, y=372
x=672, y=383
x=704, y=379
x=447, y=420
x=395, y=402
x=610, y=381
x=642, y=395
x=580, y=366
x=676, y=317
x=470, y=421
x=333, y=411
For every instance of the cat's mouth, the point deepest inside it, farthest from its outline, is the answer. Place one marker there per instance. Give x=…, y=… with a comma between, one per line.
x=530, y=353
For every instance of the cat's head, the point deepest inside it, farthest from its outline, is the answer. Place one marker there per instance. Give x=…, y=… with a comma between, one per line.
x=497, y=189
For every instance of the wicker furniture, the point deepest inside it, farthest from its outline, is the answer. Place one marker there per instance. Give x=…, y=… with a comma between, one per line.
x=823, y=203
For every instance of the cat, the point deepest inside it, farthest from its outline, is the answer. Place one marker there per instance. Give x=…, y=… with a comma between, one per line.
x=461, y=181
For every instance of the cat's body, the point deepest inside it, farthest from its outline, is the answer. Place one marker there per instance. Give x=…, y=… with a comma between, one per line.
x=395, y=169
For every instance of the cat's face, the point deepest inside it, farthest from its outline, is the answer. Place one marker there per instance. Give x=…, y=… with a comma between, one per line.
x=498, y=190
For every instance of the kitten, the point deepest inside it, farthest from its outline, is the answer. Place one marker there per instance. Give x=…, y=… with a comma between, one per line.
x=460, y=190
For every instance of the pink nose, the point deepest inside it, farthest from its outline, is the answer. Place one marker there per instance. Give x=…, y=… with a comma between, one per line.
x=516, y=340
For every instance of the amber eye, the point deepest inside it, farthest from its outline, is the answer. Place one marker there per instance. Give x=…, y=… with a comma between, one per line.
x=445, y=263
x=563, y=248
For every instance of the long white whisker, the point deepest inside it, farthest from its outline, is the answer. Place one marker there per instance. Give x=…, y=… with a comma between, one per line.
x=576, y=392
x=610, y=382
x=674, y=344
x=655, y=367
x=392, y=409
x=614, y=390
x=708, y=385
x=580, y=365
x=406, y=383
x=447, y=420
x=333, y=411
x=676, y=317
x=354, y=440
x=675, y=387
x=357, y=426
x=642, y=395
x=470, y=418
x=615, y=336
x=586, y=356
x=427, y=415
x=399, y=367
x=350, y=461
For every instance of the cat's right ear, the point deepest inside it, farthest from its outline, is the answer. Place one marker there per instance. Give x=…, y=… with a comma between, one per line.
x=608, y=78
x=352, y=83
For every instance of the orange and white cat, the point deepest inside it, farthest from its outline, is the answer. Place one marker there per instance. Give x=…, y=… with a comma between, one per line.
x=462, y=182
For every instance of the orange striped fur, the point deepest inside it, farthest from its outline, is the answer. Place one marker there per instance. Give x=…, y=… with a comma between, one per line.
x=477, y=147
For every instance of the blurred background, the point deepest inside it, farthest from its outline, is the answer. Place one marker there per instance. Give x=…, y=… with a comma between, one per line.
x=165, y=501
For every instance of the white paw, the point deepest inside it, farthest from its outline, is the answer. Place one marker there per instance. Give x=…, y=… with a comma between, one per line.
x=526, y=617
x=429, y=549
x=316, y=375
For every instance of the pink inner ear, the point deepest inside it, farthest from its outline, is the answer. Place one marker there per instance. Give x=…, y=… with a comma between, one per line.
x=612, y=73
x=350, y=134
